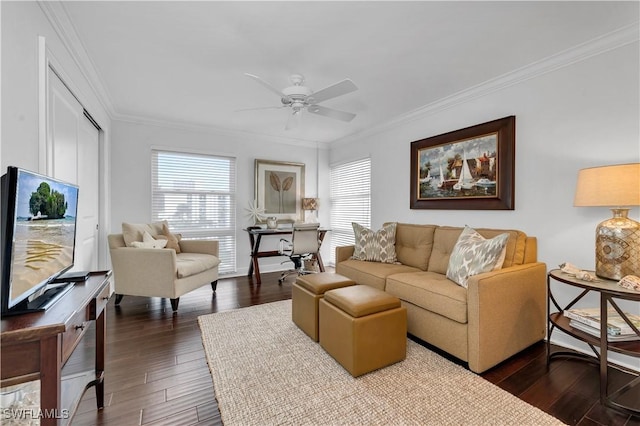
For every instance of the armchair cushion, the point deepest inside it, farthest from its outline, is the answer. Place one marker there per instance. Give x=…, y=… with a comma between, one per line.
x=193, y=263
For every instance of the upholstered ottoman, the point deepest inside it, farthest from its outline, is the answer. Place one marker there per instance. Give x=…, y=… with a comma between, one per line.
x=305, y=294
x=363, y=328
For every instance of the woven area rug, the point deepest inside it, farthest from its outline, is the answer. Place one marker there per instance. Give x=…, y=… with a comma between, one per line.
x=266, y=371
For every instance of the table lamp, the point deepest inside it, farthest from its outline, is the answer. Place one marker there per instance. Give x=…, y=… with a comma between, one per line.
x=617, y=238
x=310, y=204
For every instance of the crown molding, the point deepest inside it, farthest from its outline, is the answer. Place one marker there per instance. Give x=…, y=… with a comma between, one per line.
x=616, y=39
x=59, y=19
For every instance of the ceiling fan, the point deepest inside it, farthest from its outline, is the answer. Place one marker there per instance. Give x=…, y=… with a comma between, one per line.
x=299, y=97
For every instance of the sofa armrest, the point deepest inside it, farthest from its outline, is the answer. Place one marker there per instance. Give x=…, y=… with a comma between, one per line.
x=344, y=253
x=144, y=272
x=201, y=246
x=507, y=313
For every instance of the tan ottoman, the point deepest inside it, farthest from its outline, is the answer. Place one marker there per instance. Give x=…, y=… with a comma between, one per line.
x=363, y=328
x=305, y=294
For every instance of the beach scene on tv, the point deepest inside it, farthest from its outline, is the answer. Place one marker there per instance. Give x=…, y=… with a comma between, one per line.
x=44, y=230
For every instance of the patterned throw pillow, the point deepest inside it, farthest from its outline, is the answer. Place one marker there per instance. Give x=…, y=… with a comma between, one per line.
x=379, y=246
x=473, y=254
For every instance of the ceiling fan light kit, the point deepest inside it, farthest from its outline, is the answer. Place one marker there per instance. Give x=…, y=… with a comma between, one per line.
x=300, y=97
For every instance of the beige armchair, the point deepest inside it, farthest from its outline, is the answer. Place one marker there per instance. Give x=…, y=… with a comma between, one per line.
x=156, y=272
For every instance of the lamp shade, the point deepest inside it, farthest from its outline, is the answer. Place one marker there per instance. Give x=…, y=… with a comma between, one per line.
x=608, y=186
x=309, y=204
x=618, y=238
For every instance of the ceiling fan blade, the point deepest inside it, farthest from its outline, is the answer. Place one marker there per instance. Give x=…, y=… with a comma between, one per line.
x=259, y=108
x=338, y=89
x=265, y=84
x=332, y=113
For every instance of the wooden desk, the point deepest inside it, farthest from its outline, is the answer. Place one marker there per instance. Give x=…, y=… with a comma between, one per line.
x=36, y=346
x=255, y=237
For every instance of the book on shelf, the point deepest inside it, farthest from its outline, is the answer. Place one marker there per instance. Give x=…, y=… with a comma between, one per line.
x=596, y=332
x=616, y=325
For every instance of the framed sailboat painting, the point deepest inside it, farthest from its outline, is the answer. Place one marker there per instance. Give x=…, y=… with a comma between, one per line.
x=467, y=169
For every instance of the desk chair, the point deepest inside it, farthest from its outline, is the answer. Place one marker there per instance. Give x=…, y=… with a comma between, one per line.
x=304, y=244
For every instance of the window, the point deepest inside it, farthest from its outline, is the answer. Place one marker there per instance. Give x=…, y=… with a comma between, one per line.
x=350, y=194
x=196, y=194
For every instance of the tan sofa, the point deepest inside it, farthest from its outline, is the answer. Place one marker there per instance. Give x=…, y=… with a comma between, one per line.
x=499, y=314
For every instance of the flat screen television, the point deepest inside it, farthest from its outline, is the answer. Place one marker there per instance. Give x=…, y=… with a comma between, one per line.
x=38, y=235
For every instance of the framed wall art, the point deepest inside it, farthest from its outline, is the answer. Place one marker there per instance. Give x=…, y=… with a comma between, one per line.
x=469, y=169
x=279, y=189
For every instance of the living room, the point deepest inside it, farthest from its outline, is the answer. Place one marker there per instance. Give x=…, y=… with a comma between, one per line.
x=576, y=106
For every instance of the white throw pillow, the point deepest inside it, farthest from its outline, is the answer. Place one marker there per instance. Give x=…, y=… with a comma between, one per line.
x=134, y=231
x=149, y=242
x=378, y=246
x=473, y=255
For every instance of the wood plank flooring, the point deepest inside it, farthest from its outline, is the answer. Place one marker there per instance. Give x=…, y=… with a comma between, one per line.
x=156, y=372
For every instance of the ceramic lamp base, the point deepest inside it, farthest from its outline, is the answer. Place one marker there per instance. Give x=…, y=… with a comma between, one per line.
x=618, y=246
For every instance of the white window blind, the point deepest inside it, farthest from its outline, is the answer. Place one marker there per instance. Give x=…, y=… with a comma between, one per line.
x=196, y=194
x=350, y=196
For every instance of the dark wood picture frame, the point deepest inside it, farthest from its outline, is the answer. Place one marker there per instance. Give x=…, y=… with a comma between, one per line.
x=450, y=184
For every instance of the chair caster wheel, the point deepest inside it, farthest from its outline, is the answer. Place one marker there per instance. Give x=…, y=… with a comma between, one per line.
x=280, y=281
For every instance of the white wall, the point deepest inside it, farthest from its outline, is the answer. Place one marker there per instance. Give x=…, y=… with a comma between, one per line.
x=131, y=174
x=582, y=115
x=22, y=24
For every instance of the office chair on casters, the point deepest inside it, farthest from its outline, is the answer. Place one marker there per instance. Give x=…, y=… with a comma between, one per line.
x=304, y=244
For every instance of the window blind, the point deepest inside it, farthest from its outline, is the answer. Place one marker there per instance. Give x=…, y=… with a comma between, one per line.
x=196, y=195
x=350, y=197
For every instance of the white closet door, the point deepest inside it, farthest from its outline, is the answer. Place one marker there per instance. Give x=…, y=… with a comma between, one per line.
x=73, y=148
x=88, y=204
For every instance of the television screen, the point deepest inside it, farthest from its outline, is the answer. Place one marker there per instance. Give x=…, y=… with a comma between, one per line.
x=38, y=233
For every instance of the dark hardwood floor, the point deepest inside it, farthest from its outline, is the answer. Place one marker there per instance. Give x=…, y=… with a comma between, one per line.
x=156, y=372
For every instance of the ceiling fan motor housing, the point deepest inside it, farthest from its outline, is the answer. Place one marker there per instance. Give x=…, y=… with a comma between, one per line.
x=298, y=97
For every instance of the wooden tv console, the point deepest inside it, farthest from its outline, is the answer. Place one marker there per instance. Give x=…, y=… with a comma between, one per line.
x=36, y=346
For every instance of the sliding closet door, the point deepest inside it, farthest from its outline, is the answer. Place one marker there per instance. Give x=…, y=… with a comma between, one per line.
x=73, y=156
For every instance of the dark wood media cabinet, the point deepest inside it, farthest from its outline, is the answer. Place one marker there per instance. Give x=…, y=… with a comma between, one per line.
x=36, y=346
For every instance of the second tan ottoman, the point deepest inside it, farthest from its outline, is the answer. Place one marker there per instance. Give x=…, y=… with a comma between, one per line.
x=305, y=294
x=363, y=328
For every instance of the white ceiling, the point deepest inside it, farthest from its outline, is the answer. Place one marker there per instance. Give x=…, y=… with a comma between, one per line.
x=184, y=62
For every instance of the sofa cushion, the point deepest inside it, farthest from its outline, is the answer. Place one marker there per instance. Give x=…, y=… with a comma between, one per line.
x=378, y=246
x=134, y=231
x=445, y=238
x=193, y=263
x=371, y=273
x=414, y=244
x=430, y=291
x=473, y=254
